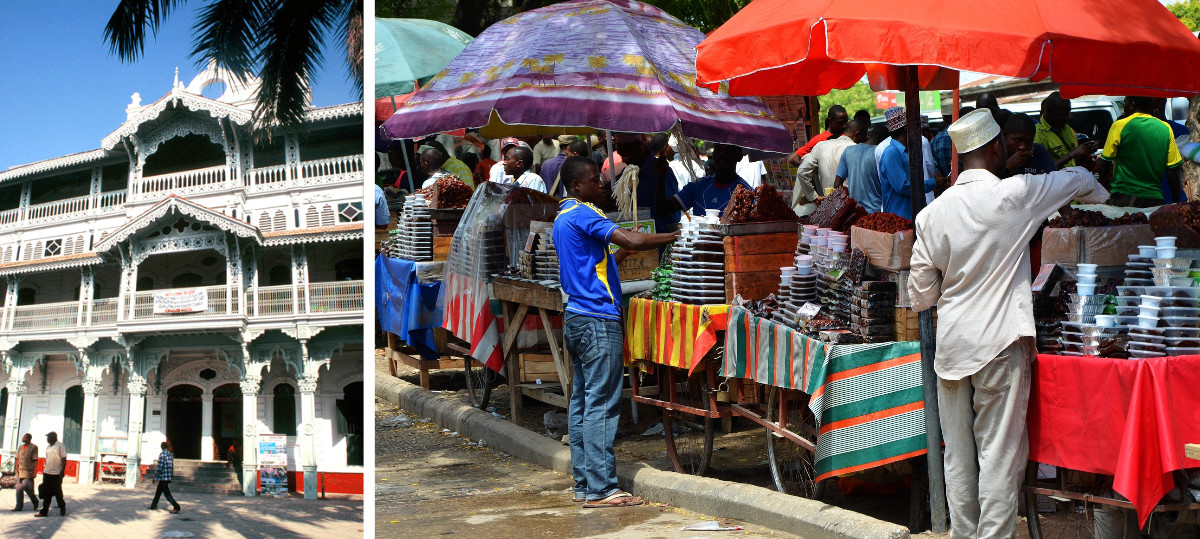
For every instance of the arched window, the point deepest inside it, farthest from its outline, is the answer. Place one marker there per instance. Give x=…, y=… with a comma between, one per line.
x=26, y=296
x=73, y=419
x=280, y=221
x=145, y=283
x=279, y=274
x=186, y=280
x=327, y=215
x=350, y=422
x=264, y=222
x=349, y=270
x=312, y=218
x=285, y=410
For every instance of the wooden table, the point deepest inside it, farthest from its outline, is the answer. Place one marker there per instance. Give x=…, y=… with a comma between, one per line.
x=398, y=353
x=519, y=298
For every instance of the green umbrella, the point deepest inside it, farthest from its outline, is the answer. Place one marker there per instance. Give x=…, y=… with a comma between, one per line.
x=408, y=50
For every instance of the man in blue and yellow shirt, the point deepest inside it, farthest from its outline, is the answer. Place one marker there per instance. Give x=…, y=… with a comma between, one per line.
x=1139, y=150
x=592, y=329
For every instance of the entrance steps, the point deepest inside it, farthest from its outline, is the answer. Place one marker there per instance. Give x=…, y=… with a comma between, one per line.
x=196, y=476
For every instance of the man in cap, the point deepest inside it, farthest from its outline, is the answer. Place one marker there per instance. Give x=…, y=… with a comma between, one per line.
x=518, y=165
x=550, y=168
x=496, y=174
x=52, y=475
x=1057, y=136
x=27, y=458
x=971, y=260
x=893, y=167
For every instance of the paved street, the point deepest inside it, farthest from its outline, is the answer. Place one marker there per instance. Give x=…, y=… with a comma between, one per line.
x=96, y=512
x=430, y=483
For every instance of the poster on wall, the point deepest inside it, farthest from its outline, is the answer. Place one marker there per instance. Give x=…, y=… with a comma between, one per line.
x=272, y=465
x=186, y=300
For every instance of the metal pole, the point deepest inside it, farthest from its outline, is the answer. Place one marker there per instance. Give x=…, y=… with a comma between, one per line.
x=412, y=186
x=933, y=426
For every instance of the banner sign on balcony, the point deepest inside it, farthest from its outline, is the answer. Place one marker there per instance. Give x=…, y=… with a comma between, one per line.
x=186, y=300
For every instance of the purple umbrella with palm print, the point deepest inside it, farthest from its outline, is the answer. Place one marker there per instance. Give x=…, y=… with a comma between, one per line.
x=616, y=65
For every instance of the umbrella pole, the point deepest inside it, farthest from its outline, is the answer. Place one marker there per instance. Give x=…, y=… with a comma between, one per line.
x=933, y=426
x=412, y=188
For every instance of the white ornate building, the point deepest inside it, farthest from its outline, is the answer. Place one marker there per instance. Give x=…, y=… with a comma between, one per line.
x=257, y=244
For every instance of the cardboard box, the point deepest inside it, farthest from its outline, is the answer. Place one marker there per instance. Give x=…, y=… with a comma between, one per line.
x=1104, y=246
x=888, y=251
x=638, y=265
x=907, y=325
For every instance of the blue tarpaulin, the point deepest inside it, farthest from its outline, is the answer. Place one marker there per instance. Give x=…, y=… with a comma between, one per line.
x=406, y=307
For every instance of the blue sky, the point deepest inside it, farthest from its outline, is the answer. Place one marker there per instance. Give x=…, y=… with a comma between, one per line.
x=61, y=91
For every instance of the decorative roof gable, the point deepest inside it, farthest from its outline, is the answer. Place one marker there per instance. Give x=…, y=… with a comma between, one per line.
x=175, y=204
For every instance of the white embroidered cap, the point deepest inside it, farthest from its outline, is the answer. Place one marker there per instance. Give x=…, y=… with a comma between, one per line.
x=973, y=130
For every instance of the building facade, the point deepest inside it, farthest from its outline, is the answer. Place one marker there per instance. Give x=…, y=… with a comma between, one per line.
x=190, y=280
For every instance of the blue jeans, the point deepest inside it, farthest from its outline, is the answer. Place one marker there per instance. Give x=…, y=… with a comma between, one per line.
x=595, y=347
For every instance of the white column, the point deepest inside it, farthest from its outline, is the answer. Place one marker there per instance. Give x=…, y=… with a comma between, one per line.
x=12, y=426
x=308, y=433
x=10, y=301
x=206, y=434
x=250, y=385
x=137, y=414
x=91, y=413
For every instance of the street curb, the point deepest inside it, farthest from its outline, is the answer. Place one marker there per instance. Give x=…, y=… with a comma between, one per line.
x=748, y=503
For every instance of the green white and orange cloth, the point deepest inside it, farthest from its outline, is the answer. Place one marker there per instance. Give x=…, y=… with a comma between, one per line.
x=867, y=398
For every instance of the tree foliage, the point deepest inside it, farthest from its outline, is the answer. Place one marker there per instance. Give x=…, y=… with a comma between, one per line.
x=280, y=40
x=859, y=96
x=1188, y=12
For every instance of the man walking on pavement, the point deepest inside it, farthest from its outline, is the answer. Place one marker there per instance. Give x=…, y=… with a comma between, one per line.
x=163, y=473
x=971, y=260
x=592, y=330
x=52, y=475
x=27, y=457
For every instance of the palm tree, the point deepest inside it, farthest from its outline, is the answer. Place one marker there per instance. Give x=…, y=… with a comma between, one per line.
x=279, y=39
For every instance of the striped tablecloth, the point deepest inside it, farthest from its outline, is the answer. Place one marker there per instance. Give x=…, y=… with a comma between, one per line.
x=670, y=333
x=867, y=398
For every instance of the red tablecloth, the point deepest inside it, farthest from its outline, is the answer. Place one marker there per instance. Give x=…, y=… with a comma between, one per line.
x=1125, y=418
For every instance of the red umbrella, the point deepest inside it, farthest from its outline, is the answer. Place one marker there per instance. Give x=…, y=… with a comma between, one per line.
x=784, y=47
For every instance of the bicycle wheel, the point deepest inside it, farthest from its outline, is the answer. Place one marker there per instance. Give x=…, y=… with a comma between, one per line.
x=791, y=464
x=689, y=436
x=479, y=382
x=1053, y=517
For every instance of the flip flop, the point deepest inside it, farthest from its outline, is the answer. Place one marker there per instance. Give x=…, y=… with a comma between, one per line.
x=616, y=499
x=576, y=500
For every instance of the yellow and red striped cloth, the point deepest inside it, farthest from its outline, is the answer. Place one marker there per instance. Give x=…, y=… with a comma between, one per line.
x=669, y=333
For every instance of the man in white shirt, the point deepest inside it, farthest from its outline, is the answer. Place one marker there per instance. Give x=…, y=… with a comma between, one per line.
x=751, y=171
x=543, y=151
x=518, y=165
x=971, y=260
x=821, y=163
x=496, y=173
x=52, y=475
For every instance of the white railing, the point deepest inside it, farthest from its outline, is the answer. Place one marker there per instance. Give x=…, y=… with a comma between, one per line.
x=273, y=301
x=46, y=316
x=332, y=170
x=112, y=198
x=67, y=208
x=347, y=168
x=336, y=297
x=104, y=311
x=8, y=217
x=186, y=182
x=330, y=297
x=265, y=178
x=143, y=304
x=58, y=209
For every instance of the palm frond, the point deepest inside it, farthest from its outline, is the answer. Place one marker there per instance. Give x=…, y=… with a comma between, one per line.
x=289, y=52
x=354, y=43
x=125, y=32
x=225, y=31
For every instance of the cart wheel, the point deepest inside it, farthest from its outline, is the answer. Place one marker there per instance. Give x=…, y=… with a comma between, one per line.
x=792, y=464
x=479, y=382
x=689, y=437
x=1061, y=518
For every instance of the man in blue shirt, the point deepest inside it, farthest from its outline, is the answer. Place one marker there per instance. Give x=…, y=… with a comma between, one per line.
x=592, y=329
x=893, y=168
x=857, y=170
x=164, y=473
x=715, y=190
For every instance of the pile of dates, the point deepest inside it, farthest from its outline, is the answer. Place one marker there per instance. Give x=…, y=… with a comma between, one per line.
x=762, y=205
x=889, y=223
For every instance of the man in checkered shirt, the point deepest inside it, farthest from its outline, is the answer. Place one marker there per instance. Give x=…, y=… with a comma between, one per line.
x=165, y=472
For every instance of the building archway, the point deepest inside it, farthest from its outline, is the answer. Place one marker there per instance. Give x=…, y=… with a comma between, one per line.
x=185, y=407
x=73, y=419
x=227, y=419
x=350, y=422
